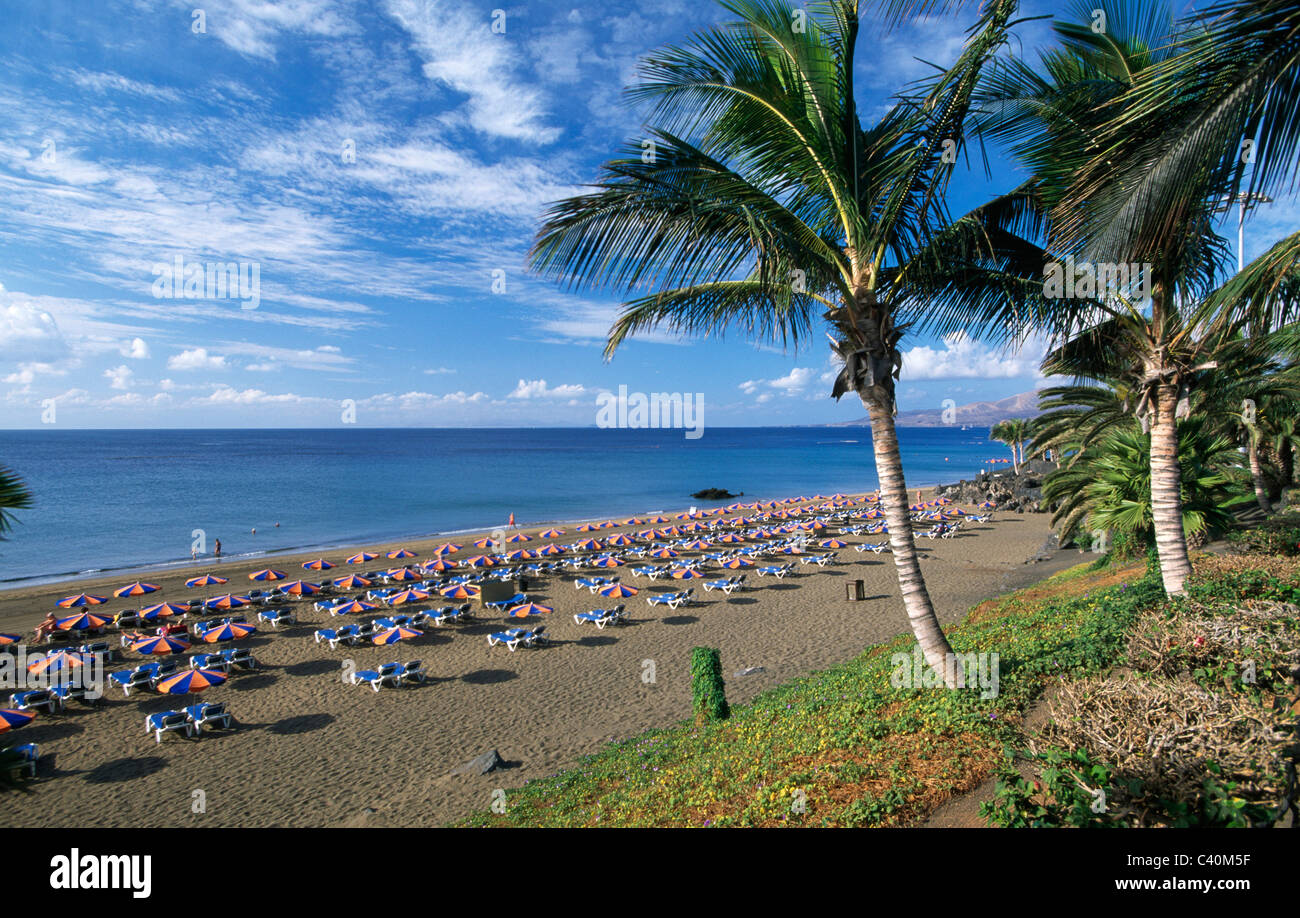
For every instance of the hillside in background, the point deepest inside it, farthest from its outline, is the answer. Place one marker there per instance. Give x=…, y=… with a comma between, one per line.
x=976, y=414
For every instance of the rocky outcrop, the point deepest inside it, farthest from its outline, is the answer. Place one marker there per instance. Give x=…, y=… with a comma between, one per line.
x=1018, y=492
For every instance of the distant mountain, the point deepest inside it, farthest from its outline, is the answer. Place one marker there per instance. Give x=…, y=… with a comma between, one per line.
x=976, y=414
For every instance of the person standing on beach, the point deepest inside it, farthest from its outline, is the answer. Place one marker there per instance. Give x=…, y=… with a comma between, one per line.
x=217, y=549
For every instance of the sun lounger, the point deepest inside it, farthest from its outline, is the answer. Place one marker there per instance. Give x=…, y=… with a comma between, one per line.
x=277, y=618
x=335, y=636
x=602, y=617
x=62, y=694
x=207, y=712
x=34, y=700
x=451, y=614
x=213, y=661
x=29, y=754
x=375, y=678
x=131, y=678
x=167, y=721
x=241, y=657
x=514, y=637
x=776, y=570
x=672, y=600
x=413, y=672
x=502, y=604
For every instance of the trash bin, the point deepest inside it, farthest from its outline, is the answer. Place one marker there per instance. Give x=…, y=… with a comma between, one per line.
x=855, y=590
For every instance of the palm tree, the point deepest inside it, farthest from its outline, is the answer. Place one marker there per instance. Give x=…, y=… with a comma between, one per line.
x=765, y=206
x=1108, y=487
x=1014, y=432
x=14, y=495
x=1063, y=124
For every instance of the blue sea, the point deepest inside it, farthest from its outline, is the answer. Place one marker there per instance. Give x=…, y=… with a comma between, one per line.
x=109, y=500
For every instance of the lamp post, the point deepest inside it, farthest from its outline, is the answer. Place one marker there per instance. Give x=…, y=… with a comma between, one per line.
x=1240, y=200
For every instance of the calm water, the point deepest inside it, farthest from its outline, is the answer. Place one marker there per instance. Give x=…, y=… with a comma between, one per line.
x=114, y=499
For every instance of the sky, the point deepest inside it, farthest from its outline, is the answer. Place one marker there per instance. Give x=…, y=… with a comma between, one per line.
x=375, y=172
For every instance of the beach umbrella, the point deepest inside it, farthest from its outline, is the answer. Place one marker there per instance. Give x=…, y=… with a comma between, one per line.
x=191, y=682
x=300, y=588
x=551, y=549
x=135, y=589
x=228, y=631
x=519, y=537
x=204, y=580
x=485, y=542
x=550, y=534
x=481, y=561
x=620, y=590
x=320, y=564
x=698, y=545
x=393, y=635
x=351, y=582
x=81, y=599
x=362, y=557
x=686, y=573
x=663, y=553
x=61, y=659
x=400, y=553
x=834, y=543
x=6, y=639
x=460, y=591
x=737, y=563
x=82, y=621
x=166, y=643
x=585, y=545
x=529, y=608
x=352, y=606
x=11, y=719
x=732, y=537
x=442, y=564
x=633, y=521
x=988, y=505
x=227, y=601
x=447, y=549
x=586, y=527
x=162, y=610
x=266, y=574
x=607, y=561
x=403, y=573
x=520, y=554
x=406, y=596
x=620, y=540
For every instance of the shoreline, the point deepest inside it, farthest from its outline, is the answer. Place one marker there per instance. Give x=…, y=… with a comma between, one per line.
x=350, y=544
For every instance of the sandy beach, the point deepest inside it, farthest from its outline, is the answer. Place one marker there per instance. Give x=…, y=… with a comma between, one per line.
x=311, y=750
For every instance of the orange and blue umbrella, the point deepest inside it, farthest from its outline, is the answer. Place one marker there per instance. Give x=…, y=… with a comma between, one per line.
x=399, y=553
x=227, y=601
x=355, y=605
x=586, y=527
x=266, y=574
x=361, y=557
x=56, y=661
x=6, y=639
x=460, y=591
x=607, y=561
x=698, y=545
x=551, y=549
x=833, y=543
x=162, y=610
x=519, y=537
x=620, y=540
x=447, y=549
x=403, y=573
x=82, y=621
x=406, y=596
x=11, y=719
x=81, y=599
x=529, y=608
x=521, y=554
x=481, y=561
x=228, y=631
x=204, y=580
x=485, y=543
x=586, y=545
x=320, y=564
x=393, y=635
x=351, y=582
x=663, y=553
x=442, y=564
x=135, y=589
x=620, y=590
x=737, y=563
x=163, y=643
x=550, y=534
x=191, y=681
x=300, y=588
x=686, y=573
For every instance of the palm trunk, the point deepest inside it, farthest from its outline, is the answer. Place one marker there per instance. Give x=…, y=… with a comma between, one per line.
x=1257, y=476
x=893, y=496
x=1166, y=492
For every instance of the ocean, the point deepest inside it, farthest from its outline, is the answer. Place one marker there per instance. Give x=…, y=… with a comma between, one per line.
x=109, y=500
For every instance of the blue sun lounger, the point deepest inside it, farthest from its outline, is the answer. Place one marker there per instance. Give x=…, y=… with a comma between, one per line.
x=207, y=712
x=514, y=637
x=387, y=674
x=166, y=722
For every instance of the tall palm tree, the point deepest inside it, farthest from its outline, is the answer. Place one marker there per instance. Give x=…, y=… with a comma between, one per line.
x=1014, y=432
x=766, y=206
x=1062, y=118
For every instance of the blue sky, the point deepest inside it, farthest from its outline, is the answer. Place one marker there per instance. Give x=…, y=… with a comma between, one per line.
x=383, y=164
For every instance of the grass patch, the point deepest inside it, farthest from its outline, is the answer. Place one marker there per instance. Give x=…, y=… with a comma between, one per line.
x=845, y=747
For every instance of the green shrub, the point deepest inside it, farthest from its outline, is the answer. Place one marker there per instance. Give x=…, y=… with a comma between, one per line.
x=708, y=694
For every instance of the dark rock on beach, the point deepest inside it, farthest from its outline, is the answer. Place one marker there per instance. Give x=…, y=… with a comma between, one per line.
x=716, y=494
x=479, y=765
x=1019, y=492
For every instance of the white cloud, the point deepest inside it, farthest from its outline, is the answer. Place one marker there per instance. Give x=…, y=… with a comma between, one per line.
x=793, y=383
x=537, y=388
x=136, y=349
x=196, y=359
x=962, y=357
x=119, y=377
x=28, y=332
x=438, y=371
